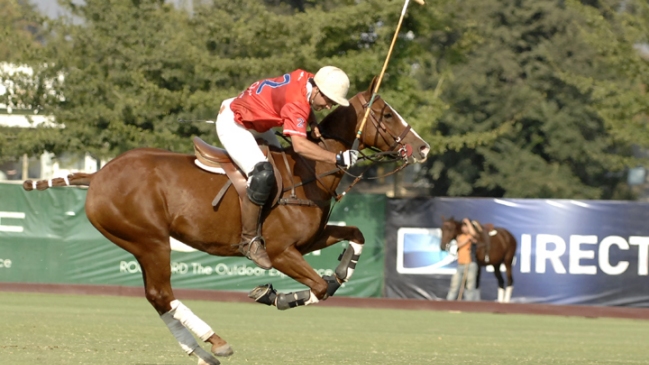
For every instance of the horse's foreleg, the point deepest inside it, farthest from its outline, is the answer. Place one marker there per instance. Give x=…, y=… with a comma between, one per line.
x=178, y=318
x=349, y=257
x=292, y=263
x=332, y=235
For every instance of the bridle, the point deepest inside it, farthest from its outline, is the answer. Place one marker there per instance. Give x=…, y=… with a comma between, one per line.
x=398, y=151
x=397, y=147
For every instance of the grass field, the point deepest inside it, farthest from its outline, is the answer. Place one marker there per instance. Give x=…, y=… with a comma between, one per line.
x=67, y=329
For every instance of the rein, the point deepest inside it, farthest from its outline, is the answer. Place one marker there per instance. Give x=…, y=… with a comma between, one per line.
x=397, y=150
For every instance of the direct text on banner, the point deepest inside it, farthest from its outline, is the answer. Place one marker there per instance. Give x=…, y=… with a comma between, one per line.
x=549, y=248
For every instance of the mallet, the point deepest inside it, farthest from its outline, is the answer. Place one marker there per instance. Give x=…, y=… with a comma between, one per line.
x=385, y=66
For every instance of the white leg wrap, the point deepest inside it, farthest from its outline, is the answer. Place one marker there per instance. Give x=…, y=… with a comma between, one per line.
x=501, y=295
x=182, y=335
x=312, y=299
x=188, y=319
x=358, y=248
x=508, y=293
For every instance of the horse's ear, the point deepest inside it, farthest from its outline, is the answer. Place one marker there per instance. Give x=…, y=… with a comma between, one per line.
x=375, y=80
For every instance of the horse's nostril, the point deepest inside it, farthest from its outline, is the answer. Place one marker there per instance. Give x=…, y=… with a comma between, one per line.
x=424, y=150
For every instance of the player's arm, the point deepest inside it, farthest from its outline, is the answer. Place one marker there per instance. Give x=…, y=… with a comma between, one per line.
x=312, y=151
x=295, y=119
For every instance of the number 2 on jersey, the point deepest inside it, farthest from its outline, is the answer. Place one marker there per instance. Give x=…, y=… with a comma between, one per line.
x=273, y=84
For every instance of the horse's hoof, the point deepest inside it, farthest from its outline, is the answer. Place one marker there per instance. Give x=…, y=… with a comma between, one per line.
x=264, y=294
x=204, y=357
x=223, y=350
x=211, y=362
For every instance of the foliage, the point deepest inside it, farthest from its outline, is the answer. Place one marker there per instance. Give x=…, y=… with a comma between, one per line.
x=20, y=26
x=134, y=68
x=534, y=98
x=560, y=144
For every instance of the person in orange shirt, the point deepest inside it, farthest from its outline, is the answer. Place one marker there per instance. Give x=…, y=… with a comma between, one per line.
x=467, y=267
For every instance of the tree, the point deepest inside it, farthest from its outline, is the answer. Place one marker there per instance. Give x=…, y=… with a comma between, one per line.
x=133, y=68
x=20, y=28
x=20, y=37
x=619, y=34
x=558, y=145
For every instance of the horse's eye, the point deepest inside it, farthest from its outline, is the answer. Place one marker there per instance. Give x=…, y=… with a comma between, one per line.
x=387, y=115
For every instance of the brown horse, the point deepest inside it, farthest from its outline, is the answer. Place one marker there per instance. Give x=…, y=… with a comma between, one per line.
x=145, y=196
x=502, y=249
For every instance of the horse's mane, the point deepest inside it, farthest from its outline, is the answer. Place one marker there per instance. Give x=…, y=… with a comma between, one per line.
x=332, y=118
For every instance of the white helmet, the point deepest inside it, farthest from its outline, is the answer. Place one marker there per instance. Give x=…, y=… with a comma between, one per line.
x=334, y=83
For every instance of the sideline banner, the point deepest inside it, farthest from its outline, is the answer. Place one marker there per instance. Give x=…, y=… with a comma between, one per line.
x=45, y=237
x=569, y=251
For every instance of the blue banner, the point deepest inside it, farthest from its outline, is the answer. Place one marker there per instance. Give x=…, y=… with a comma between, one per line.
x=569, y=251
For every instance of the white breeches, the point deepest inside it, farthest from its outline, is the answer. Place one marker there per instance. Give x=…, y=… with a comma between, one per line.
x=239, y=141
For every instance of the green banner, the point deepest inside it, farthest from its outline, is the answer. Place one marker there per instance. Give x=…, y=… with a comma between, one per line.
x=45, y=237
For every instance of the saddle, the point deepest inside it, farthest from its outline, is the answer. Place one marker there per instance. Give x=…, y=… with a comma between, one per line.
x=486, y=231
x=213, y=158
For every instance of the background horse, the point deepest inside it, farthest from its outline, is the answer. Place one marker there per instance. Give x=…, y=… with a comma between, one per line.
x=144, y=196
x=502, y=250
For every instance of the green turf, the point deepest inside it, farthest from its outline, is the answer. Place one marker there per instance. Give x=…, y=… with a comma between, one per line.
x=68, y=329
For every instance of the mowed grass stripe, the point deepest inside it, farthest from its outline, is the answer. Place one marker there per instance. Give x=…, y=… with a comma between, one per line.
x=70, y=329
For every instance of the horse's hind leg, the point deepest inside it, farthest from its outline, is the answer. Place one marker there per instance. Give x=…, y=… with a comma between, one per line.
x=156, y=270
x=510, y=282
x=501, y=283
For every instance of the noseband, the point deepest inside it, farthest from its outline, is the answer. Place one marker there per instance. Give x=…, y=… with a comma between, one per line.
x=397, y=147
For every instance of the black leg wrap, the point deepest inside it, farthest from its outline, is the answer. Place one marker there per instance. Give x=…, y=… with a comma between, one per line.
x=347, y=261
x=332, y=284
x=292, y=300
x=264, y=294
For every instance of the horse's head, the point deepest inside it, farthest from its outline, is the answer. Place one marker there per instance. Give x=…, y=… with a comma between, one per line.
x=386, y=130
x=450, y=229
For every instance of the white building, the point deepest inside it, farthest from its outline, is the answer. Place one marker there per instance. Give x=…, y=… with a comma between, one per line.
x=14, y=114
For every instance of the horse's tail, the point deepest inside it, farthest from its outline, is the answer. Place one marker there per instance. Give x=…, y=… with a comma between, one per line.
x=76, y=179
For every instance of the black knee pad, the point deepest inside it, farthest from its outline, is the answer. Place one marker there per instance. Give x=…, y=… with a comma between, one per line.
x=260, y=182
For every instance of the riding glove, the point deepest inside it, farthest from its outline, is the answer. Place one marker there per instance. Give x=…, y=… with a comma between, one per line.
x=347, y=158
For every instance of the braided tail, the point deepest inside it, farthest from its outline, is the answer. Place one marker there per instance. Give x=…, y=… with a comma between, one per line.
x=78, y=179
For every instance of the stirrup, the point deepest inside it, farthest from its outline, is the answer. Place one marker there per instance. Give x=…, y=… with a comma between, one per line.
x=244, y=247
x=258, y=255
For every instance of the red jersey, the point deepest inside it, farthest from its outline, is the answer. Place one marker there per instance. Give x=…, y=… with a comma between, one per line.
x=279, y=101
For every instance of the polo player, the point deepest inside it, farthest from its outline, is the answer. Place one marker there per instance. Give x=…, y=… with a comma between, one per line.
x=287, y=101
